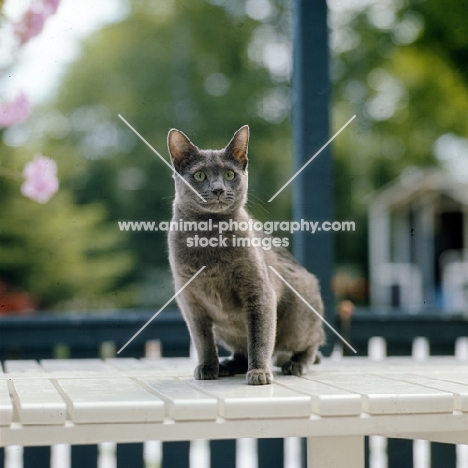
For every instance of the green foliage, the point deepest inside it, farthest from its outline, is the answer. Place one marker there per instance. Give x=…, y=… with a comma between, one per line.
x=176, y=64
x=61, y=253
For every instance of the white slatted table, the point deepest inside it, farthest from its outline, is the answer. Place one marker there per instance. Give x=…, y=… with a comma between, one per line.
x=335, y=405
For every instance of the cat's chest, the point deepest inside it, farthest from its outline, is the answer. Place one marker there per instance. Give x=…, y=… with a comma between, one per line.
x=217, y=289
x=209, y=249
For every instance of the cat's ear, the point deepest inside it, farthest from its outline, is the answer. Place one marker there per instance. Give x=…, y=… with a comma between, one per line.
x=180, y=147
x=238, y=147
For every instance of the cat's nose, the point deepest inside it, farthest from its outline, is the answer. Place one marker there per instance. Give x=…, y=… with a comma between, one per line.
x=218, y=191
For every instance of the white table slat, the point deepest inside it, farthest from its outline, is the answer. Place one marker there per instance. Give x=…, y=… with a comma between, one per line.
x=459, y=391
x=390, y=364
x=87, y=366
x=460, y=377
x=128, y=364
x=183, y=402
x=326, y=400
x=6, y=407
x=381, y=397
x=28, y=366
x=110, y=400
x=174, y=367
x=38, y=402
x=237, y=400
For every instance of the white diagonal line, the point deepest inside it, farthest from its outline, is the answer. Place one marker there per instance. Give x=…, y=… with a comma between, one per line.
x=161, y=309
x=313, y=310
x=162, y=159
x=312, y=158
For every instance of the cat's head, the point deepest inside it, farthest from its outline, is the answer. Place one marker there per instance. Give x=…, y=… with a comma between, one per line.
x=219, y=176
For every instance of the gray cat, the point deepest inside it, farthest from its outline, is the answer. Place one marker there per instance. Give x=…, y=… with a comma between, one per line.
x=236, y=300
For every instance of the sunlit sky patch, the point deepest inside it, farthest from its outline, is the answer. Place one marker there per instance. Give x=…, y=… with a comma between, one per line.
x=37, y=68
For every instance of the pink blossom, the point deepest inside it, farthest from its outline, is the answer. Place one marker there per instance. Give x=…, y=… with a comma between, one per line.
x=34, y=19
x=15, y=111
x=51, y=6
x=31, y=24
x=41, y=179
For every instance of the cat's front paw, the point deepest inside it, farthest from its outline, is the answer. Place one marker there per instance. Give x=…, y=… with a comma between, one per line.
x=206, y=372
x=259, y=377
x=293, y=368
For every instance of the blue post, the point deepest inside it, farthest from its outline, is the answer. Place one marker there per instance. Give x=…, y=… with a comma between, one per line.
x=313, y=188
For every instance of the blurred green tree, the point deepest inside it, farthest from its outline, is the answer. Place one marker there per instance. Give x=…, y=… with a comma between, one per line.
x=58, y=254
x=197, y=66
x=61, y=253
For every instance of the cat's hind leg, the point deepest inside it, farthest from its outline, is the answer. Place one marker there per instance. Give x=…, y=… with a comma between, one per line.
x=299, y=361
x=236, y=364
x=280, y=357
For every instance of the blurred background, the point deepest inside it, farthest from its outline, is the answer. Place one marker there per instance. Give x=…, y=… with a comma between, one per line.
x=208, y=67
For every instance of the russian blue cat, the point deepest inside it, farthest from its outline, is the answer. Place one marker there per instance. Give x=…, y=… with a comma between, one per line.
x=236, y=300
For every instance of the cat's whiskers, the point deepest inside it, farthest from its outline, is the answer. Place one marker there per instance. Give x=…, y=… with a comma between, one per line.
x=252, y=203
x=260, y=205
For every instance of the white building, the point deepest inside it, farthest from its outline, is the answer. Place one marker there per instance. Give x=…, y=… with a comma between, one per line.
x=418, y=241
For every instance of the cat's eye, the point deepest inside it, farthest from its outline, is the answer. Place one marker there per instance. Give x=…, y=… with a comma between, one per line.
x=199, y=176
x=229, y=175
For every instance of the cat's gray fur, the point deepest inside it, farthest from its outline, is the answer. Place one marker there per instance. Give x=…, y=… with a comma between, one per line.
x=237, y=300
